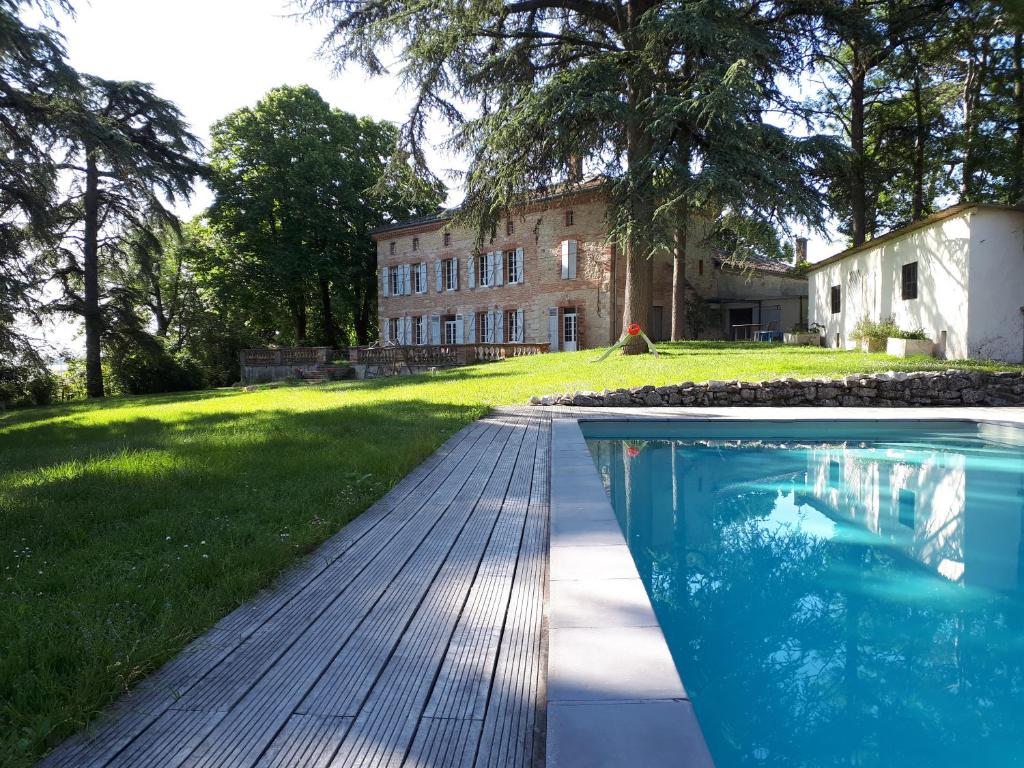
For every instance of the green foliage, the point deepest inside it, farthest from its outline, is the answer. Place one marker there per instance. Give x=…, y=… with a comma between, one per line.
x=25, y=382
x=298, y=188
x=141, y=364
x=883, y=329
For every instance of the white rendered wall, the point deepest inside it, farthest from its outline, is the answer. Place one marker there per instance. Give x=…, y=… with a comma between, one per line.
x=995, y=324
x=871, y=287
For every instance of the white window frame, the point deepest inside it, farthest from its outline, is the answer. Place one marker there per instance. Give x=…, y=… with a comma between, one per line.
x=514, y=326
x=395, y=287
x=514, y=259
x=486, y=327
x=484, y=263
x=450, y=274
x=419, y=278
x=450, y=331
x=419, y=330
x=575, y=336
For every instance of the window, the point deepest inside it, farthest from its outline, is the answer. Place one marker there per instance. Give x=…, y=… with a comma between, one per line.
x=393, y=330
x=450, y=275
x=483, y=269
x=447, y=239
x=396, y=280
x=485, y=327
x=391, y=247
x=836, y=299
x=909, y=281
x=415, y=243
x=514, y=262
x=569, y=218
x=451, y=330
x=419, y=330
x=569, y=327
x=419, y=277
x=569, y=250
x=907, y=508
x=510, y=227
x=514, y=325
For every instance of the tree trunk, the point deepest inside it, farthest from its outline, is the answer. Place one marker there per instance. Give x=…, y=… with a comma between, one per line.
x=858, y=183
x=920, y=138
x=1017, y=191
x=361, y=317
x=91, y=275
x=327, y=314
x=297, y=305
x=636, y=304
x=679, y=278
x=972, y=95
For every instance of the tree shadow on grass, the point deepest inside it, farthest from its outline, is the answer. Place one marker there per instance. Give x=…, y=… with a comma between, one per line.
x=160, y=527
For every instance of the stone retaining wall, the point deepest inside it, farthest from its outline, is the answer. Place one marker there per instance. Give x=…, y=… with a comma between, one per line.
x=935, y=388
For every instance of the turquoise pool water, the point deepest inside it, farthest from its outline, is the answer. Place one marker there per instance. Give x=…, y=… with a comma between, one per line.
x=833, y=595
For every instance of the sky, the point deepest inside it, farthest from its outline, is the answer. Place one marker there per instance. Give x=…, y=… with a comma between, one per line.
x=211, y=57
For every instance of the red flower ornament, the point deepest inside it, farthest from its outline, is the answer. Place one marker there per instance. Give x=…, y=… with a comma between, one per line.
x=633, y=329
x=633, y=451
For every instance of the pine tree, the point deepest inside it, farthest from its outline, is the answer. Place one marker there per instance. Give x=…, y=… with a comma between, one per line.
x=130, y=157
x=666, y=99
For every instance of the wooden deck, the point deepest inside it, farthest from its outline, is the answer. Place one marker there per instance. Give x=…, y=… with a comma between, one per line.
x=414, y=637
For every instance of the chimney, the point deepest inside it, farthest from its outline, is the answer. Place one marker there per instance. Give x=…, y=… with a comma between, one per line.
x=800, y=251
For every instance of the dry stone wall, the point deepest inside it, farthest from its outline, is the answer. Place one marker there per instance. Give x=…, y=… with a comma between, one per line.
x=880, y=390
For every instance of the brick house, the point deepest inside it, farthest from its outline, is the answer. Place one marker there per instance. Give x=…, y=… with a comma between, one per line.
x=549, y=275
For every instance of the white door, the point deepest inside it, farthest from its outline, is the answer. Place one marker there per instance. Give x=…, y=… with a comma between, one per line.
x=569, y=331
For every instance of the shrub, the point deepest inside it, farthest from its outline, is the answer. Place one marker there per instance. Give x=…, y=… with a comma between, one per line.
x=25, y=383
x=884, y=329
x=141, y=364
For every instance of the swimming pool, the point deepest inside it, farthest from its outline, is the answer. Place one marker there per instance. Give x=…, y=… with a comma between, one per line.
x=833, y=594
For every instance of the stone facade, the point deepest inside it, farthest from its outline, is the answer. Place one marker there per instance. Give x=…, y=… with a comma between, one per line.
x=553, y=300
x=879, y=390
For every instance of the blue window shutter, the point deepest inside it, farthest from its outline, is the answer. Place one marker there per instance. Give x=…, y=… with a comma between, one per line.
x=471, y=327
x=385, y=281
x=499, y=269
x=520, y=328
x=459, y=324
x=520, y=265
x=437, y=270
x=470, y=271
x=553, y=328
x=435, y=329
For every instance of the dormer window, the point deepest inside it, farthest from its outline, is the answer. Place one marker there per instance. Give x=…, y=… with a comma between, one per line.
x=391, y=247
x=447, y=239
x=569, y=218
x=415, y=243
x=510, y=227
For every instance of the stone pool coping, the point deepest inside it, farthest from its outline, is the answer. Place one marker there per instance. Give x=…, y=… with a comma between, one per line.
x=614, y=695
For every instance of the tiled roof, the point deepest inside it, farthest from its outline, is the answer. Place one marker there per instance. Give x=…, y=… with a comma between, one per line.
x=946, y=213
x=544, y=193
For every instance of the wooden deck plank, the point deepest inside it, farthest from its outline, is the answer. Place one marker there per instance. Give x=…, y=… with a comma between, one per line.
x=386, y=724
x=411, y=637
x=513, y=733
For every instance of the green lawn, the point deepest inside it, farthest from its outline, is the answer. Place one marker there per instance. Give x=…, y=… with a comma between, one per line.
x=130, y=526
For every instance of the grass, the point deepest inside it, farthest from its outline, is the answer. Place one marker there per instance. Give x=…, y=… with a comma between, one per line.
x=130, y=526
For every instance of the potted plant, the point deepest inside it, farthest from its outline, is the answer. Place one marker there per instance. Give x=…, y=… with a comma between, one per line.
x=870, y=335
x=802, y=335
x=901, y=343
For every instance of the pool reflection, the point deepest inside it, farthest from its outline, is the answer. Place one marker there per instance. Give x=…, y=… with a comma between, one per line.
x=835, y=604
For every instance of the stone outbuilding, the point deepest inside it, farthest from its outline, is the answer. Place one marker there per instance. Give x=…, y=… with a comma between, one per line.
x=957, y=274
